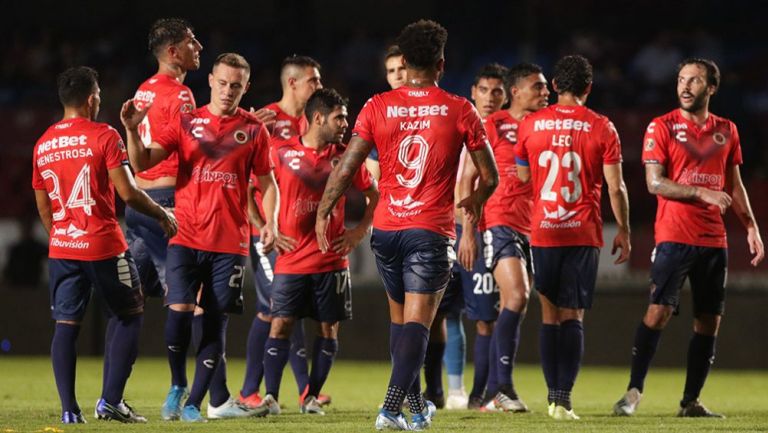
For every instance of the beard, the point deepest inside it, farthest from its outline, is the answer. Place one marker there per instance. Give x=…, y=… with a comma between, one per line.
x=699, y=102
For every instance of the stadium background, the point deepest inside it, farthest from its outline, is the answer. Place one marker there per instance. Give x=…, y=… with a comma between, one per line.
x=634, y=46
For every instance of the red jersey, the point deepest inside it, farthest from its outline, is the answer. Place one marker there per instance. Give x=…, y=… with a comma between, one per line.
x=692, y=156
x=567, y=147
x=510, y=205
x=419, y=133
x=216, y=157
x=168, y=98
x=285, y=128
x=302, y=173
x=71, y=162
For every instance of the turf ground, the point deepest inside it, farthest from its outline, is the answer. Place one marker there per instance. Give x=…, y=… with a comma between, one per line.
x=29, y=403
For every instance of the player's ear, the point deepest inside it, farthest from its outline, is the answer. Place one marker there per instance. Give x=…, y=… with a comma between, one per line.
x=317, y=117
x=588, y=89
x=247, y=86
x=554, y=86
x=440, y=65
x=210, y=80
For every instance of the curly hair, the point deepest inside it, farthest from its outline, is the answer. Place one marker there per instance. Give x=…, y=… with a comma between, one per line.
x=167, y=31
x=422, y=43
x=573, y=74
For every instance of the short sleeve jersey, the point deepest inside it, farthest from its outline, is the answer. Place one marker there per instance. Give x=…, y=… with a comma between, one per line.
x=510, y=205
x=419, y=134
x=168, y=99
x=71, y=162
x=696, y=156
x=284, y=128
x=216, y=157
x=566, y=148
x=302, y=173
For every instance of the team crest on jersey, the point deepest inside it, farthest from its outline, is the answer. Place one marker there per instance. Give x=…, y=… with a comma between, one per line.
x=719, y=138
x=241, y=136
x=121, y=145
x=650, y=144
x=187, y=108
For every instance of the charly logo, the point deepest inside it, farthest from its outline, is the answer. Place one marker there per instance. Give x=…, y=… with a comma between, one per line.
x=241, y=136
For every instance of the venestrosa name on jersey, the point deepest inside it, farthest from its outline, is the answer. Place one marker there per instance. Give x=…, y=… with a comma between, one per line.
x=417, y=111
x=562, y=125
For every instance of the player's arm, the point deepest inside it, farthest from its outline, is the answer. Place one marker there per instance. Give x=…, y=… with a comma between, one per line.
x=141, y=157
x=338, y=182
x=44, y=209
x=488, y=180
x=351, y=238
x=743, y=211
x=659, y=184
x=467, y=245
x=253, y=209
x=373, y=167
x=139, y=200
x=270, y=236
x=617, y=192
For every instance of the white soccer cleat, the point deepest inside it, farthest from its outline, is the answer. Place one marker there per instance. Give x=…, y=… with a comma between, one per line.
x=269, y=402
x=391, y=421
x=551, y=409
x=312, y=406
x=457, y=399
x=627, y=405
x=563, y=414
x=506, y=404
x=232, y=408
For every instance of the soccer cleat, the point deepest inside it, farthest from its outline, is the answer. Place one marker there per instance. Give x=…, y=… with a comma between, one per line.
x=70, y=417
x=171, y=409
x=489, y=406
x=695, y=409
x=422, y=421
x=190, y=413
x=437, y=399
x=475, y=402
x=233, y=409
x=312, y=406
x=504, y=403
x=627, y=405
x=323, y=399
x=251, y=401
x=457, y=399
x=562, y=414
x=96, y=412
x=387, y=420
x=272, y=406
x=551, y=409
x=120, y=412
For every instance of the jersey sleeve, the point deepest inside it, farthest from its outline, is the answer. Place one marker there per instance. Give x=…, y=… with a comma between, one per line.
x=181, y=102
x=113, y=147
x=362, y=180
x=655, y=143
x=612, y=144
x=521, y=149
x=365, y=122
x=475, y=137
x=261, y=164
x=735, y=158
x=170, y=138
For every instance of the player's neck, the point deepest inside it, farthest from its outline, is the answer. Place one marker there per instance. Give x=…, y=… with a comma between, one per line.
x=172, y=70
x=76, y=113
x=312, y=140
x=218, y=112
x=291, y=106
x=421, y=78
x=699, y=117
x=569, y=99
x=518, y=112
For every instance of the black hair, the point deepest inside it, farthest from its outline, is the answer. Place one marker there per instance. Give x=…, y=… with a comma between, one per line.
x=167, y=31
x=76, y=85
x=392, y=51
x=713, y=72
x=493, y=70
x=300, y=61
x=573, y=74
x=522, y=70
x=324, y=101
x=422, y=43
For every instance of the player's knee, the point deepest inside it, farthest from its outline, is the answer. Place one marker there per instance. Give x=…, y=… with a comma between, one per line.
x=264, y=317
x=182, y=308
x=69, y=322
x=566, y=314
x=484, y=328
x=707, y=324
x=658, y=316
x=329, y=330
x=517, y=300
x=281, y=328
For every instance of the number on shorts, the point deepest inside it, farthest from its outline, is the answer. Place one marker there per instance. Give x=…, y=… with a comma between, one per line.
x=80, y=196
x=484, y=284
x=572, y=161
x=342, y=281
x=412, y=144
x=236, y=280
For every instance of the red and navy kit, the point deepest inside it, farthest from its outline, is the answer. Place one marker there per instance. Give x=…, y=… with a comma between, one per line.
x=216, y=157
x=510, y=205
x=168, y=98
x=71, y=162
x=419, y=134
x=302, y=173
x=696, y=156
x=566, y=147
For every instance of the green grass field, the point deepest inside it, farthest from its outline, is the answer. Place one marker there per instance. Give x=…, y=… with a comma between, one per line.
x=29, y=403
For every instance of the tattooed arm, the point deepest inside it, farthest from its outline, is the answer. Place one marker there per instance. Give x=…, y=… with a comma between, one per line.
x=659, y=184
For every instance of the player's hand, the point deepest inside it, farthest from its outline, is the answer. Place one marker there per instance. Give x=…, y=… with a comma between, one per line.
x=718, y=198
x=267, y=237
x=755, y=246
x=467, y=251
x=265, y=116
x=472, y=208
x=321, y=227
x=348, y=241
x=168, y=223
x=284, y=244
x=621, y=242
x=131, y=116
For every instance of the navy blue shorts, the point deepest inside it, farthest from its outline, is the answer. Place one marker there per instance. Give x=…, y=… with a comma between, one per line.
x=148, y=242
x=501, y=242
x=566, y=276
x=220, y=274
x=413, y=260
x=478, y=288
x=262, y=266
x=705, y=267
x=71, y=283
x=325, y=296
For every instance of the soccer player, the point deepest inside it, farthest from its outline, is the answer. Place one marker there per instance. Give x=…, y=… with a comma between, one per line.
x=475, y=290
x=565, y=150
x=419, y=130
x=78, y=164
x=310, y=283
x=505, y=226
x=177, y=51
x=299, y=79
x=219, y=146
x=692, y=160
